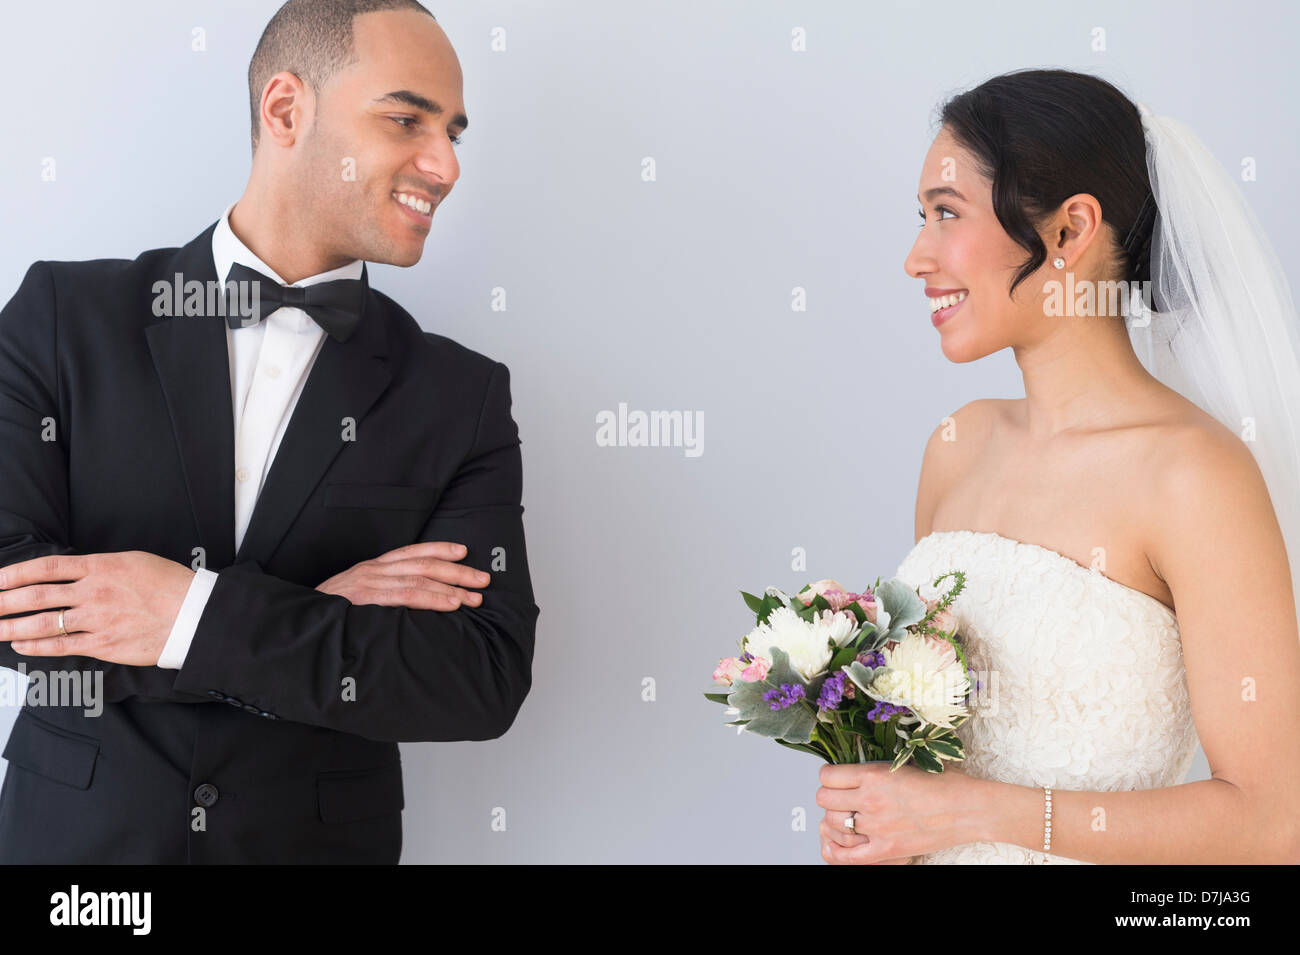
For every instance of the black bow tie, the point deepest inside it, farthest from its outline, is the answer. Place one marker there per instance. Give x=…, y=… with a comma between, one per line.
x=335, y=306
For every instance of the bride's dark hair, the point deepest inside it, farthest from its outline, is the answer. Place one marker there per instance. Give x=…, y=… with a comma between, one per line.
x=1041, y=136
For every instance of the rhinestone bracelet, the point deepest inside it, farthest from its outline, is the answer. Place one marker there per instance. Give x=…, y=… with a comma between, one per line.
x=1047, y=819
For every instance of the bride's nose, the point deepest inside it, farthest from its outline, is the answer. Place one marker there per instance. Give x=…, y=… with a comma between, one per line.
x=919, y=260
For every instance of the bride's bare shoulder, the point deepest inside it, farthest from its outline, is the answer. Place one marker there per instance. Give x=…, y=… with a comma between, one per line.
x=1212, y=483
x=950, y=450
x=1185, y=439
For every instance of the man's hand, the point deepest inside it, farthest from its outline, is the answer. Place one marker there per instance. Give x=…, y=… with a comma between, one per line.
x=121, y=607
x=420, y=576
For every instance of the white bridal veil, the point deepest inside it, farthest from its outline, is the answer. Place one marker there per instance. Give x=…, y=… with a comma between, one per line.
x=1224, y=332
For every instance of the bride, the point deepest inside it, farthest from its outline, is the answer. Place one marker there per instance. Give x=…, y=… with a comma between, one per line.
x=1125, y=526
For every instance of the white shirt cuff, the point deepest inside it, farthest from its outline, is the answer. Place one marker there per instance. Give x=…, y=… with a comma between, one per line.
x=187, y=621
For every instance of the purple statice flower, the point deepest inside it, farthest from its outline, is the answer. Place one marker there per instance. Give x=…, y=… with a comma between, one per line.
x=787, y=695
x=871, y=660
x=832, y=691
x=882, y=711
x=746, y=657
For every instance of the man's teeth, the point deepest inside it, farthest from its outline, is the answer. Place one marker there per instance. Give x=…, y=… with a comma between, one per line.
x=943, y=301
x=422, y=206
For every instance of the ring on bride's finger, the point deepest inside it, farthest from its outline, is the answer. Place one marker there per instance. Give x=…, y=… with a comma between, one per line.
x=62, y=631
x=848, y=822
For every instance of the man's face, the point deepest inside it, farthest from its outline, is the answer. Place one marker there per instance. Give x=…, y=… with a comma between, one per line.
x=381, y=140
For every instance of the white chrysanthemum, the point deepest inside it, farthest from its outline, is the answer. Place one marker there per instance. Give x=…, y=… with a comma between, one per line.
x=807, y=645
x=925, y=675
x=836, y=628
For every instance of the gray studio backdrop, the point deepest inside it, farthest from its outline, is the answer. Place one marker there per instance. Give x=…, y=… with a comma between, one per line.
x=664, y=286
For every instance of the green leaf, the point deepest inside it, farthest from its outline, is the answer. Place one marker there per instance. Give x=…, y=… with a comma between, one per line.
x=865, y=636
x=943, y=747
x=922, y=757
x=753, y=603
x=901, y=602
x=841, y=657
x=716, y=697
x=804, y=748
x=794, y=723
x=859, y=674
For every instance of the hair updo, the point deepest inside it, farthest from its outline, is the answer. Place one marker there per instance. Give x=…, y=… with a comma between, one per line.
x=1041, y=136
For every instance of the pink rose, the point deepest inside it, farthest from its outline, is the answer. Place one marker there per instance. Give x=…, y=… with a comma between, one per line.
x=728, y=671
x=756, y=670
x=868, y=605
x=821, y=587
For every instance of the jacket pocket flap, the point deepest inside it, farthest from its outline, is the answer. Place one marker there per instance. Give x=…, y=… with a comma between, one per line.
x=51, y=751
x=362, y=794
x=394, y=496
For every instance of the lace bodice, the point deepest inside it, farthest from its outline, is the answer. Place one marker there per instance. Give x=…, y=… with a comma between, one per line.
x=1084, y=682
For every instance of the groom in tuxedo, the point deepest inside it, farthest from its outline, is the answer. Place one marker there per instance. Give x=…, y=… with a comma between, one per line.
x=233, y=481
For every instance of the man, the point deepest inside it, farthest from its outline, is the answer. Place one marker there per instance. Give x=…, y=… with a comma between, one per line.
x=257, y=507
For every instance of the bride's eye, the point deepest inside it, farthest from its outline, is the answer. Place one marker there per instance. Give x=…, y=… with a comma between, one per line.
x=938, y=209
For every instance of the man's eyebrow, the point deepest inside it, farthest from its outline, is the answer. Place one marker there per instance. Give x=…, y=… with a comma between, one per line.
x=421, y=103
x=942, y=191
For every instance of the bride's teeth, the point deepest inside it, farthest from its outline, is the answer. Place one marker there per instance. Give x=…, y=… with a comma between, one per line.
x=943, y=301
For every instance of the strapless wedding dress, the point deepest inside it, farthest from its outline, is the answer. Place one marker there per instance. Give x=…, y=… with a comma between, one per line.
x=1085, y=688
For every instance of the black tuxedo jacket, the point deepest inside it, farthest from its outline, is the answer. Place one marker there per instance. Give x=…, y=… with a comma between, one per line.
x=277, y=740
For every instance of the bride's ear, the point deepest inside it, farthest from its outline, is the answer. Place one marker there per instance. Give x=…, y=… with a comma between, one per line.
x=1075, y=228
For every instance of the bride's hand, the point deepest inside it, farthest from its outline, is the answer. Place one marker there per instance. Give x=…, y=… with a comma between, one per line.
x=901, y=814
x=833, y=832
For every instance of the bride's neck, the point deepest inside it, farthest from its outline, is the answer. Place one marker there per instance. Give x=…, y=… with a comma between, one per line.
x=1084, y=376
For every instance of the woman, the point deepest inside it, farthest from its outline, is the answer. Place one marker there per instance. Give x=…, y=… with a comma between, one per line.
x=1125, y=541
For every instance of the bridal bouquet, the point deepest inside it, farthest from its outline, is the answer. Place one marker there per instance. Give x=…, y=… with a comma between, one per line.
x=852, y=678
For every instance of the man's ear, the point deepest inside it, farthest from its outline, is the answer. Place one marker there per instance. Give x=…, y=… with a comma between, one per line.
x=286, y=105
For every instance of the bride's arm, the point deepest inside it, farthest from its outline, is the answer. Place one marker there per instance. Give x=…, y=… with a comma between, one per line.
x=1218, y=546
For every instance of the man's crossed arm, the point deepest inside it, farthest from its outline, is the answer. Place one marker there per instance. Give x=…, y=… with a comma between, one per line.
x=312, y=655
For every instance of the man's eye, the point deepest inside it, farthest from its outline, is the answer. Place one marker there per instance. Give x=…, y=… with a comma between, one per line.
x=455, y=140
x=403, y=120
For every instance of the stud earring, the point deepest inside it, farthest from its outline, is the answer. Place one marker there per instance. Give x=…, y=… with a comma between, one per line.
x=1058, y=262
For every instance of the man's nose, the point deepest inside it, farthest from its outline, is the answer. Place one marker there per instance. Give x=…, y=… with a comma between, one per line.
x=442, y=164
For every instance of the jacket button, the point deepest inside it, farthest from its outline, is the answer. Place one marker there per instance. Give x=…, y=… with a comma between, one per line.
x=206, y=794
x=250, y=708
x=216, y=693
x=233, y=702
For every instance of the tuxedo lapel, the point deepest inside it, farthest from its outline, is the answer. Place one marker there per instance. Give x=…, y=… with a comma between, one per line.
x=347, y=378
x=193, y=365
x=190, y=355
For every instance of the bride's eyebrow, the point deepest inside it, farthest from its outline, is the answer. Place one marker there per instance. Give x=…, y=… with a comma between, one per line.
x=931, y=194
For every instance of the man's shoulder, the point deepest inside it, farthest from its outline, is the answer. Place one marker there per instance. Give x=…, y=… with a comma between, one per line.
x=431, y=347
x=73, y=272
x=105, y=288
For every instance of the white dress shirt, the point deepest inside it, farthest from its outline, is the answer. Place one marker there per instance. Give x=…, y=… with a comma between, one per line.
x=269, y=364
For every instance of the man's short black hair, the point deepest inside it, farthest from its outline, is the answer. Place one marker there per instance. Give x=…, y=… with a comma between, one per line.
x=311, y=39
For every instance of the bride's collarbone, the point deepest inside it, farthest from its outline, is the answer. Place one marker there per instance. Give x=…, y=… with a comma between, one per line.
x=1080, y=514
